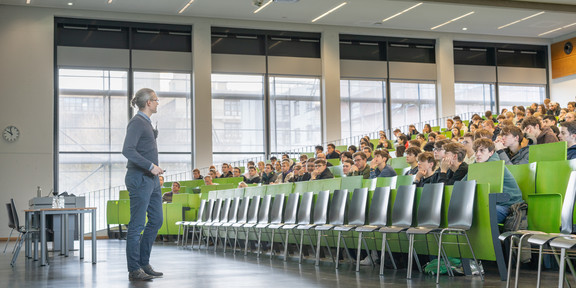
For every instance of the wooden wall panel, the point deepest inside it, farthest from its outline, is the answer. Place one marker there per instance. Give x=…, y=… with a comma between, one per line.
x=563, y=64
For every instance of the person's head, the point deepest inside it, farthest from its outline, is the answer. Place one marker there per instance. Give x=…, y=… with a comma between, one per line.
x=145, y=100
x=530, y=112
x=383, y=137
x=352, y=149
x=411, y=128
x=346, y=166
x=331, y=148
x=261, y=165
x=554, y=105
x=458, y=124
x=278, y=166
x=501, y=117
x=426, y=162
x=484, y=149
x=488, y=114
x=476, y=118
x=568, y=133
x=359, y=160
x=367, y=151
x=414, y=143
x=531, y=126
x=439, y=149
x=455, y=152
x=285, y=166
x=488, y=125
x=503, y=112
x=412, y=155
x=320, y=156
x=225, y=168
x=509, y=115
x=473, y=127
x=563, y=112
x=421, y=137
x=571, y=106
x=511, y=135
x=449, y=123
x=320, y=165
x=252, y=171
x=427, y=129
x=208, y=180
x=212, y=173
x=397, y=132
x=402, y=139
x=381, y=157
x=303, y=158
x=548, y=121
x=196, y=173
x=455, y=132
x=520, y=109
x=269, y=168
x=176, y=187
x=541, y=108
x=285, y=156
x=310, y=166
x=236, y=172
x=432, y=137
x=273, y=159
x=297, y=169
x=570, y=116
x=319, y=149
x=467, y=141
x=534, y=106
x=345, y=156
x=161, y=179
x=520, y=114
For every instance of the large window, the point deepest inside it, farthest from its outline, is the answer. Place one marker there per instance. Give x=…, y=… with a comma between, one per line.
x=362, y=106
x=295, y=118
x=237, y=116
x=525, y=95
x=474, y=97
x=412, y=102
x=173, y=119
x=92, y=124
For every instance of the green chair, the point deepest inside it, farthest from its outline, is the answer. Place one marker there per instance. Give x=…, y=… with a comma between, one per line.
x=398, y=162
x=369, y=183
x=123, y=212
x=351, y=182
x=334, y=162
x=466, y=122
x=386, y=182
x=375, y=142
x=488, y=172
x=301, y=187
x=164, y=190
x=552, y=176
x=404, y=180
x=278, y=189
x=325, y=184
x=256, y=191
x=401, y=171
x=525, y=175
x=435, y=128
x=548, y=152
x=342, y=148
x=309, y=154
x=173, y=215
x=124, y=195
x=336, y=170
x=191, y=183
x=111, y=215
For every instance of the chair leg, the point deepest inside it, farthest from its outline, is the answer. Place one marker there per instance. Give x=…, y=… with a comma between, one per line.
x=539, y=265
x=8, y=240
x=301, y=244
x=474, y=256
x=510, y=252
x=328, y=248
x=358, y=251
x=235, y=239
x=272, y=243
x=225, y=238
x=517, y=260
x=562, y=268
x=247, y=234
x=286, y=245
x=439, y=255
x=319, y=236
x=258, y=245
x=410, y=250
x=383, y=256
x=178, y=238
x=17, y=251
x=338, y=249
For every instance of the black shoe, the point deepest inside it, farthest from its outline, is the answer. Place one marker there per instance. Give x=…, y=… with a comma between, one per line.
x=150, y=271
x=139, y=275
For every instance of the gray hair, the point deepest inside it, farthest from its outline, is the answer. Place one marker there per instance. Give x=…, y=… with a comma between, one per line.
x=141, y=98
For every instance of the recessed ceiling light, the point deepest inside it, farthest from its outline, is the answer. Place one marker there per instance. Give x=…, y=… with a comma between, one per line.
x=263, y=6
x=554, y=30
x=28, y=1
x=110, y=1
x=455, y=19
x=517, y=21
x=402, y=12
x=70, y=3
x=185, y=7
x=329, y=11
x=464, y=28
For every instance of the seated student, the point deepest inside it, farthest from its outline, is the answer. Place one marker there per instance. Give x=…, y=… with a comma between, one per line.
x=319, y=149
x=449, y=124
x=429, y=147
x=307, y=170
x=509, y=147
x=427, y=129
x=414, y=143
x=484, y=149
x=268, y=176
x=347, y=167
x=383, y=142
x=196, y=174
x=550, y=121
x=361, y=168
x=455, y=134
x=345, y=156
x=321, y=171
x=273, y=161
x=467, y=141
x=236, y=172
x=422, y=138
x=452, y=167
x=461, y=127
x=536, y=132
x=253, y=177
x=208, y=181
x=322, y=156
x=167, y=196
x=412, y=160
x=261, y=167
x=285, y=175
x=297, y=171
x=570, y=116
x=568, y=134
x=303, y=159
x=368, y=152
x=213, y=173
x=332, y=154
x=226, y=171
x=378, y=166
x=412, y=131
x=161, y=180
x=426, y=168
x=277, y=169
x=352, y=149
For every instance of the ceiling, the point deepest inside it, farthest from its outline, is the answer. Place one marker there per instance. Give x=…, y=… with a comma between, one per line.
x=487, y=16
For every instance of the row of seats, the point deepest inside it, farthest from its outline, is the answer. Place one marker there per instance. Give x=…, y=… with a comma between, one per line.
x=413, y=212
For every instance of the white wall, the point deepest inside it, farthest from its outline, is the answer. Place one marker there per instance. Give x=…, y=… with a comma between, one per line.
x=26, y=84
x=563, y=90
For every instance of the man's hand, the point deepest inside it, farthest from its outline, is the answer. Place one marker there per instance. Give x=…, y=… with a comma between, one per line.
x=157, y=170
x=499, y=145
x=445, y=165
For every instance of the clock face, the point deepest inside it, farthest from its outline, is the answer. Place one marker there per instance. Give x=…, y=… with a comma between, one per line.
x=10, y=133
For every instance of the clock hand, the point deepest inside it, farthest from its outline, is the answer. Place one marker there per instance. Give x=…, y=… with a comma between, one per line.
x=10, y=131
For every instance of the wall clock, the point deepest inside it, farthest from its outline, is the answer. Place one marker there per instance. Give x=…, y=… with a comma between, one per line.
x=11, y=133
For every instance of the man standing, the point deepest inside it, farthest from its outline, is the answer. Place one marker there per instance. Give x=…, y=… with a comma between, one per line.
x=143, y=185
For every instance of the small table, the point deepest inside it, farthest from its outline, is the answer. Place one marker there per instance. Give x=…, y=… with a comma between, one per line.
x=64, y=212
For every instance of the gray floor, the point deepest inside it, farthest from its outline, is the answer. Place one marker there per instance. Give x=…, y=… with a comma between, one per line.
x=201, y=268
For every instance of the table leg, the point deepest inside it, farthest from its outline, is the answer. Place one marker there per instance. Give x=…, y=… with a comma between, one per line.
x=28, y=242
x=93, y=236
x=81, y=237
x=65, y=237
x=44, y=253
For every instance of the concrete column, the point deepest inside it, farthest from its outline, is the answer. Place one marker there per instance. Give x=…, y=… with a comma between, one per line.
x=330, y=51
x=202, y=94
x=445, y=76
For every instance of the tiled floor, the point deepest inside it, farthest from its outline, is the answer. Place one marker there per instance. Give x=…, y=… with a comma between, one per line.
x=202, y=268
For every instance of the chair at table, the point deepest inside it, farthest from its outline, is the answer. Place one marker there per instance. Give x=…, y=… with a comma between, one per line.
x=24, y=233
x=11, y=225
x=336, y=217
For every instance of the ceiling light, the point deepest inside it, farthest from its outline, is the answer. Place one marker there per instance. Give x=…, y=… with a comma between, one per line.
x=28, y=1
x=517, y=21
x=465, y=29
x=70, y=3
x=554, y=30
x=402, y=12
x=455, y=19
x=263, y=6
x=185, y=7
x=330, y=11
x=110, y=1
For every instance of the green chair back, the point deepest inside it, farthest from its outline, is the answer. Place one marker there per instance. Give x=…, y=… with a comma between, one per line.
x=334, y=162
x=256, y=190
x=435, y=128
x=164, y=190
x=191, y=183
x=552, y=176
x=488, y=172
x=548, y=152
x=398, y=162
x=228, y=193
x=278, y=189
x=112, y=212
x=387, y=182
x=123, y=212
x=375, y=142
x=525, y=176
x=401, y=171
x=351, y=182
x=342, y=148
x=404, y=180
x=309, y=154
x=369, y=183
x=124, y=195
x=301, y=187
x=336, y=170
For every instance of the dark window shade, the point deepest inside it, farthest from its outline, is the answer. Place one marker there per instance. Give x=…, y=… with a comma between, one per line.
x=84, y=36
x=529, y=59
x=356, y=51
x=294, y=47
x=466, y=56
x=232, y=45
x=505, y=54
x=161, y=41
x=411, y=54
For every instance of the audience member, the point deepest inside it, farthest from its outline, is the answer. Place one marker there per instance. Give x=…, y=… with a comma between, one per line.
x=534, y=130
x=226, y=173
x=414, y=143
x=196, y=174
x=273, y=161
x=303, y=158
x=352, y=149
x=412, y=160
x=452, y=167
x=167, y=196
x=321, y=171
x=426, y=168
x=412, y=130
x=449, y=124
x=253, y=177
x=161, y=179
x=319, y=149
x=378, y=166
x=455, y=133
x=347, y=167
x=237, y=172
x=509, y=147
x=427, y=129
x=268, y=176
x=461, y=127
x=345, y=156
x=568, y=134
x=570, y=116
x=550, y=121
x=285, y=175
x=561, y=117
x=368, y=152
x=332, y=154
x=361, y=167
x=208, y=180
x=322, y=156
x=467, y=142
x=383, y=142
